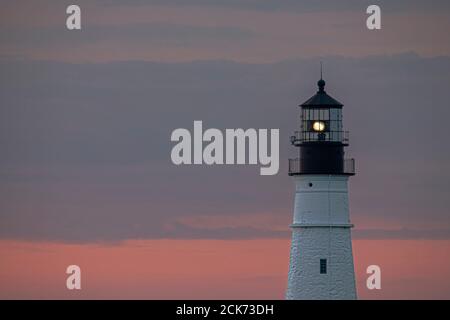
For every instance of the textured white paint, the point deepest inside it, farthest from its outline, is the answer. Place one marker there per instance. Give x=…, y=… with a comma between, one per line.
x=321, y=230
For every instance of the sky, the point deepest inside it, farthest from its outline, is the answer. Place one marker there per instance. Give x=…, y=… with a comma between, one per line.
x=85, y=124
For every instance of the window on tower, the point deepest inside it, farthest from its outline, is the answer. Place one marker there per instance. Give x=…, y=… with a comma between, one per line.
x=323, y=266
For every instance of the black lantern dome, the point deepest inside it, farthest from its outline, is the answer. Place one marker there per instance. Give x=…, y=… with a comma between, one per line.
x=321, y=99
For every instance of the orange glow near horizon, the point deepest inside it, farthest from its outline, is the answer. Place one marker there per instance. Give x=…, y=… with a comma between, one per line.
x=209, y=269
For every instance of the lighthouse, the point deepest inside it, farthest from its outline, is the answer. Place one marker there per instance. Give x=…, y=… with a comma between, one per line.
x=321, y=258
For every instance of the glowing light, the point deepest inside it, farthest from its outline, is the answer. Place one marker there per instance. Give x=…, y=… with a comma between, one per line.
x=318, y=126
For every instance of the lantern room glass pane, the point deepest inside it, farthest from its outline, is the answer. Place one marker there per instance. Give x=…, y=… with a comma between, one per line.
x=317, y=114
x=330, y=117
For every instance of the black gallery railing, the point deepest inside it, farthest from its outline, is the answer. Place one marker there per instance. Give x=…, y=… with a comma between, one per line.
x=311, y=136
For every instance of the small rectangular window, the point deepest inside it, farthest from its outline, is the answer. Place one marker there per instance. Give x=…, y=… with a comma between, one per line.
x=323, y=266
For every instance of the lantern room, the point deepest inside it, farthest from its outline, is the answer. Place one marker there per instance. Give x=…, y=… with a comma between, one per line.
x=321, y=138
x=320, y=119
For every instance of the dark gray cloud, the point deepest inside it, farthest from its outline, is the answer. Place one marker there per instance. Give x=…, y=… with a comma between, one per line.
x=85, y=148
x=246, y=31
x=294, y=5
x=155, y=34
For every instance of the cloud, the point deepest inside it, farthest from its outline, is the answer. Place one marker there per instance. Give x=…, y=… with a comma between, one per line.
x=292, y=5
x=154, y=34
x=86, y=147
x=246, y=31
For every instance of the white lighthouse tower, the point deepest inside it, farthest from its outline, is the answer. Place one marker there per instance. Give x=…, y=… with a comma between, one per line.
x=321, y=260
